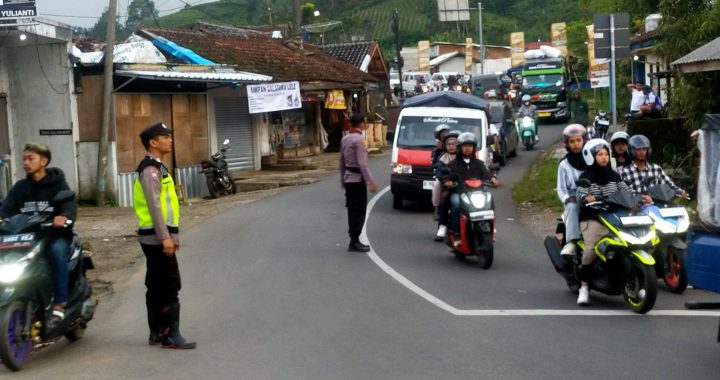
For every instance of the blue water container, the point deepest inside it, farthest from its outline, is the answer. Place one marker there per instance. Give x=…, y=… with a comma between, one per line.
x=703, y=260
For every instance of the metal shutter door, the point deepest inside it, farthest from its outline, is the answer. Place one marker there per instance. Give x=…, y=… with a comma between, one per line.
x=233, y=122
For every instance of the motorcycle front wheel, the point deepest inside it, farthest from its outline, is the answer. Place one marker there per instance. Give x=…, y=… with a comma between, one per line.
x=230, y=187
x=675, y=269
x=213, y=189
x=15, y=344
x=641, y=287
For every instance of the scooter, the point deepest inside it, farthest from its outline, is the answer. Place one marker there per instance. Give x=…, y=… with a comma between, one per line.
x=219, y=180
x=477, y=224
x=671, y=222
x=623, y=265
x=527, y=130
x=26, y=288
x=600, y=126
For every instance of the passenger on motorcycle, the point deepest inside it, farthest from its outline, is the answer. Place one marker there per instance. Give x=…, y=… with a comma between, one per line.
x=571, y=166
x=33, y=195
x=603, y=182
x=438, y=194
x=465, y=166
x=440, y=132
x=640, y=169
x=620, y=154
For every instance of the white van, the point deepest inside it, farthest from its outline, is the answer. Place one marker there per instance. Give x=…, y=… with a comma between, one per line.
x=411, y=79
x=414, y=138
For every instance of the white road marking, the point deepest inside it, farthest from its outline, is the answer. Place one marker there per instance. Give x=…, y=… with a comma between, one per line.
x=404, y=281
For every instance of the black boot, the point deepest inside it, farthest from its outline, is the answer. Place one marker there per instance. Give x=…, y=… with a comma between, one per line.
x=172, y=338
x=154, y=315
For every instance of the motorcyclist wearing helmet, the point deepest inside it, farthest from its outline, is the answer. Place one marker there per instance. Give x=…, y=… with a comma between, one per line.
x=603, y=182
x=571, y=166
x=440, y=132
x=640, y=169
x=491, y=94
x=465, y=166
x=527, y=108
x=438, y=194
x=620, y=155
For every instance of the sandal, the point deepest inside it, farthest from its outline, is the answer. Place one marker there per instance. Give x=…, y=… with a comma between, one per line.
x=58, y=313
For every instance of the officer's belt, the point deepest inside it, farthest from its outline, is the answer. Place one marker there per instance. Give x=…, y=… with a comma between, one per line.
x=151, y=231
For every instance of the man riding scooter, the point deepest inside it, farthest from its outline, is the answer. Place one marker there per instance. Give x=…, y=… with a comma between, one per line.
x=528, y=109
x=465, y=166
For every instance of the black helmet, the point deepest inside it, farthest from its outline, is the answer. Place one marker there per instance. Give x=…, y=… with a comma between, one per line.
x=467, y=138
x=637, y=142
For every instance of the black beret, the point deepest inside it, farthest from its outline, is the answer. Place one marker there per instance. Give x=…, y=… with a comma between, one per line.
x=155, y=130
x=356, y=119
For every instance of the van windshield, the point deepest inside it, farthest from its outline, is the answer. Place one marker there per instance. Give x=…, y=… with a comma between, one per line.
x=418, y=132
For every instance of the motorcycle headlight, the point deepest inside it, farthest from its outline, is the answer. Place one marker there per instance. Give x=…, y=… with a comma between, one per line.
x=11, y=272
x=632, y=240
x=665, y=227
x=402, y=169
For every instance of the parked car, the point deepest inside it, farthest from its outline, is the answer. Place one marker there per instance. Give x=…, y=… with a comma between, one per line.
x=501, y=115
x=416, y=82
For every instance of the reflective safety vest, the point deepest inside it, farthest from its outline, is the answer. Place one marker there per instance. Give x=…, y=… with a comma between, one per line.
x=168, y=201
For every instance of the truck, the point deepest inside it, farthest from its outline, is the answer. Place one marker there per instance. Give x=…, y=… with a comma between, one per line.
x=545, y=79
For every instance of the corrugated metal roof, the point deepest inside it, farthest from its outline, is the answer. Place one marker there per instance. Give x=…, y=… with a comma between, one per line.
x=196, y=76
x=708, y=52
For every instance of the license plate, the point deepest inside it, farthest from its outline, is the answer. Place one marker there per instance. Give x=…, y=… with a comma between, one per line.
x=636, y=221
x=544, y=114
x=603, y=122
x=14, y=241
x=428, y=185
x=673, y=212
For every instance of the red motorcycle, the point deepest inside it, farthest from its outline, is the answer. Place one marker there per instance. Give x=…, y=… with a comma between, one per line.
x=477, y=223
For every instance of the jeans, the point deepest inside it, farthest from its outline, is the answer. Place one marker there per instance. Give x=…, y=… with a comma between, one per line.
x=571, y=217
x=455, y=212
x=58, y=252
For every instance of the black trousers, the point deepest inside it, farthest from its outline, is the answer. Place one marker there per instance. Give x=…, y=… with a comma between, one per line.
x=356, y=203
x=162, y=278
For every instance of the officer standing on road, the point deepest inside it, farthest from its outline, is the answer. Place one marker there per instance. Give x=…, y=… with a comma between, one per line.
x=158, y=211
x=355, y=178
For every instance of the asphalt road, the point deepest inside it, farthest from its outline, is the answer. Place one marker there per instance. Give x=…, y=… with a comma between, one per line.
x=270, y=292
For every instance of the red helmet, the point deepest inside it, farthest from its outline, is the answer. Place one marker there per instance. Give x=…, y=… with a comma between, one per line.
x=574, y=130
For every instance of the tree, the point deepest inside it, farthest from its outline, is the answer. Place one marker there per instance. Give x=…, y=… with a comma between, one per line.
x=99, y=30
x=140, y=11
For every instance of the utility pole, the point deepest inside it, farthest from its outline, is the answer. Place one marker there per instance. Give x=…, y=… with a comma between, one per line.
x=297, y=18
x=269, y=10
x=107, y=107
x=395, y=26
x=613, y=108
x=480, y=41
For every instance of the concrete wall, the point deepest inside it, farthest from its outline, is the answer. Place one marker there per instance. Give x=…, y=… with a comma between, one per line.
x=494, y=66
x=38, y=82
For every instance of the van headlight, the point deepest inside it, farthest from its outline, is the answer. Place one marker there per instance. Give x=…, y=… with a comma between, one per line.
x=401, y=169
x=561, y=104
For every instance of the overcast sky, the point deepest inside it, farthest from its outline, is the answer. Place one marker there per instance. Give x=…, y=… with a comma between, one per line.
x=86, y=12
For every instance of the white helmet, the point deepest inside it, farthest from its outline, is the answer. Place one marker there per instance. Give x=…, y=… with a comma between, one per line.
x=525, y=98
x=591, y=148
x=620, y=135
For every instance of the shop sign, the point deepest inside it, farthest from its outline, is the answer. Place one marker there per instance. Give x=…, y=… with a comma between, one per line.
x=55, y=132
x=17, y=9
x=335, y=100
x=271, y=97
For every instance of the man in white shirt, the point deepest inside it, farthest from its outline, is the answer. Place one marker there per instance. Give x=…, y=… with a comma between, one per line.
x=638, y=98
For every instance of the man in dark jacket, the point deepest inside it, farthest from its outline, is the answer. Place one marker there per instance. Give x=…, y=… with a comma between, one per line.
x=465, y=166
x=33, y=195
x=578, y=109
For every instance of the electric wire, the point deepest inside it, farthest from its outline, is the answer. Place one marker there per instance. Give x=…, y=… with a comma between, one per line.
x=42, y=69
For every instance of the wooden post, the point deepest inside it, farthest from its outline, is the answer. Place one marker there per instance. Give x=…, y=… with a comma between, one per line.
x=107, y=107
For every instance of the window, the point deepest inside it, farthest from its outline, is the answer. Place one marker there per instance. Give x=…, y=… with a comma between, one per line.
x=419, y=131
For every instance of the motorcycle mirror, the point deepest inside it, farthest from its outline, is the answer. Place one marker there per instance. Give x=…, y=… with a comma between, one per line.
x=583, y=182
x=63, y=196
x=227, y=141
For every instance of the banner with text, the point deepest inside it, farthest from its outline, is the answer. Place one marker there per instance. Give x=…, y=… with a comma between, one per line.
x=558, y=32
x=468, y=55
x=273, y=97
x=335, y=100
x=424, y=55
x=17, y=9
x=517, y=48
x=599, y=71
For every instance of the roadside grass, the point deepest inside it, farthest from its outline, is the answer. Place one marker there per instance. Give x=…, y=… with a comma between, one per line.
x=537, y=186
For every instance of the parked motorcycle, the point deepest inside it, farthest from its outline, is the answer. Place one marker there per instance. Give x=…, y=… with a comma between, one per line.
x=527, y=130
x=26, y=288
x=671, y=223
x=219, y=180
x=600, y=126
x=477, y=223
x=623, y=265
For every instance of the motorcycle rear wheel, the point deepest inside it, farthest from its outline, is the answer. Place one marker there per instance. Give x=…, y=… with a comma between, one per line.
x=642, y=279
x=675, y=269
x=14, y=346
x=212, y=188
x=75, y=334
x=528, y=143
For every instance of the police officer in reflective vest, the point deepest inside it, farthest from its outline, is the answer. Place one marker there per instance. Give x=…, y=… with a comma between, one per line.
x=156, y=206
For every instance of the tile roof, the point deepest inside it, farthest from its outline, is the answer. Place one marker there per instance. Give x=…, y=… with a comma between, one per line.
x=283, y=60
x=353, y=52
x=708, y=52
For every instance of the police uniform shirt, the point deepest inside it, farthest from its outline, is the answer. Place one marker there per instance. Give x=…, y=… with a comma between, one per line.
x=151, y=180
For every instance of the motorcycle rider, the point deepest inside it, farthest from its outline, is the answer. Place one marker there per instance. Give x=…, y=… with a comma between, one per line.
x=603, y=182
x=571, y=166
x=465, y=166
x=440, y=132
x=620, y=153
x=34, y=195
x=530, y=110
x=640, y=169
x=438, y=194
